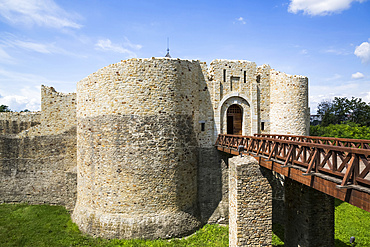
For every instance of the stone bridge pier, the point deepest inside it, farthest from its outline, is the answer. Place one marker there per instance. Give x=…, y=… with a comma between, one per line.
x=309, y=214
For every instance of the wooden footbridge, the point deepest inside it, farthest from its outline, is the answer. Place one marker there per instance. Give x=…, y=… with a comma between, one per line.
x=336, y=166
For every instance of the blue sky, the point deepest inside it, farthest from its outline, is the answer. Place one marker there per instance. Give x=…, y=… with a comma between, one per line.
x=57, y=43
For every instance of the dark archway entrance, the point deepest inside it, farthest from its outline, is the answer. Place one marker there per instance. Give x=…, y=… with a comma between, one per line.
x=234, y=120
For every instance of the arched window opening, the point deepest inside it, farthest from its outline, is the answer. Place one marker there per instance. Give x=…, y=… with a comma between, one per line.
x=234, y=120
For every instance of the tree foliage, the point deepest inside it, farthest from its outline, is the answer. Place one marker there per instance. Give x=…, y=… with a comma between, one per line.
x=343, y=110
x=348, y=130
x=4, y=108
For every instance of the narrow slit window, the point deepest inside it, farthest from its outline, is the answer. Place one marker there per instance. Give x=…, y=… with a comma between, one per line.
x=262, y=125
x=245, y=76
x=224, y=75
x=258, y=79
x=202, y=126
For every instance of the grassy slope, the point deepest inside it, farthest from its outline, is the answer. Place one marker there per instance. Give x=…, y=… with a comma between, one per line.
x=42, y=225
x=351, y=221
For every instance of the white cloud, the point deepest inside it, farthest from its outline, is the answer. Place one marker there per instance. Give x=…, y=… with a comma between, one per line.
x=320, y=7
x=12, y=41
x=32, y=46
x=11, y=76
x=37, y=12
x=21, y=91
x=333, y=78
x=5, y=57
x=241, y=20
x=131, y=45
x=363, y=51
x=357, y=75
x=366, y=98
x=107, y=45
x=327, y=91
x=337, y=51
x=28, y=98
x=304, y=52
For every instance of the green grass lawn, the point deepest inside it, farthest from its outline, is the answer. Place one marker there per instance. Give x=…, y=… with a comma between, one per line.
x=43, y=225
x=351, y=221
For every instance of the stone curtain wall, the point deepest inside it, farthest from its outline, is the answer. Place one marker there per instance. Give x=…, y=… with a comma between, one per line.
x=16, y=122
x=58, y=113
x=38, y=153
x=250, y=200
x=39, y=169
x=137, y=149
x=213, y=179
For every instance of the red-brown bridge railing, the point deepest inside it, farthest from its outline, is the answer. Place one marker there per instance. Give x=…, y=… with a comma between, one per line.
x=336, y=166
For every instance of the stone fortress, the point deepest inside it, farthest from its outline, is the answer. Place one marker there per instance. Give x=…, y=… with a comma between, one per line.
x=132, y=153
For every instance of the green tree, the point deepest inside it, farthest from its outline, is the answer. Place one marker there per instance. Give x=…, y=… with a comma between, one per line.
x=343, y=110
x=4, y=108
x=359, y=112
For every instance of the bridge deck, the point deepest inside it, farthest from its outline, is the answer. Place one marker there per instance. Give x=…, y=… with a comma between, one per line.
x=338, y=167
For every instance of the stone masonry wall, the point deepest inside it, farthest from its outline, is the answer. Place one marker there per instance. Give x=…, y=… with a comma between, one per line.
x=250, y=200
x=309, y=216
x=137, y=149
x=38, y=153
x=233, y=78
x=213, y=179
x=205, y=117
x=39, y=169
x=289, y=104
x=264, y=89
x=16, y=122
x=58, y=113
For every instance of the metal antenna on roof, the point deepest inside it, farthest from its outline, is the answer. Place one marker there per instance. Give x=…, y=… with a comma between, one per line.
x=168, y=48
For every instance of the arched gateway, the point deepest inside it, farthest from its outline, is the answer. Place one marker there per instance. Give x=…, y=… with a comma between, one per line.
x=234, y=120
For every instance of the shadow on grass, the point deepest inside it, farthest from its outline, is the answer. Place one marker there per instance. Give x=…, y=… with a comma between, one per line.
x=339, y=243
x=278, y=235
x=337, y=202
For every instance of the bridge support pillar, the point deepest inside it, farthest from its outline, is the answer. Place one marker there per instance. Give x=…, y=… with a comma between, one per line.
x=309, y=216
x=250, y=203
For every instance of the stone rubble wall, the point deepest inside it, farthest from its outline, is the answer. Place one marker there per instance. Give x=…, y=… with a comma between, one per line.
x=264, y=87
x=137, y=149
x=58, y=113
x=206, y=138
x=250, y=200
x=16, y=122
x=289, y=104
x=39, y=169
x=38, y=153
x=309, y=216
x=228, y=81
x=213, y=174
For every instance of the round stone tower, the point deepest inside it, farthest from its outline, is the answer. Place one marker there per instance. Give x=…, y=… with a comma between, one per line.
x=289, y=112
x=136, y=149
